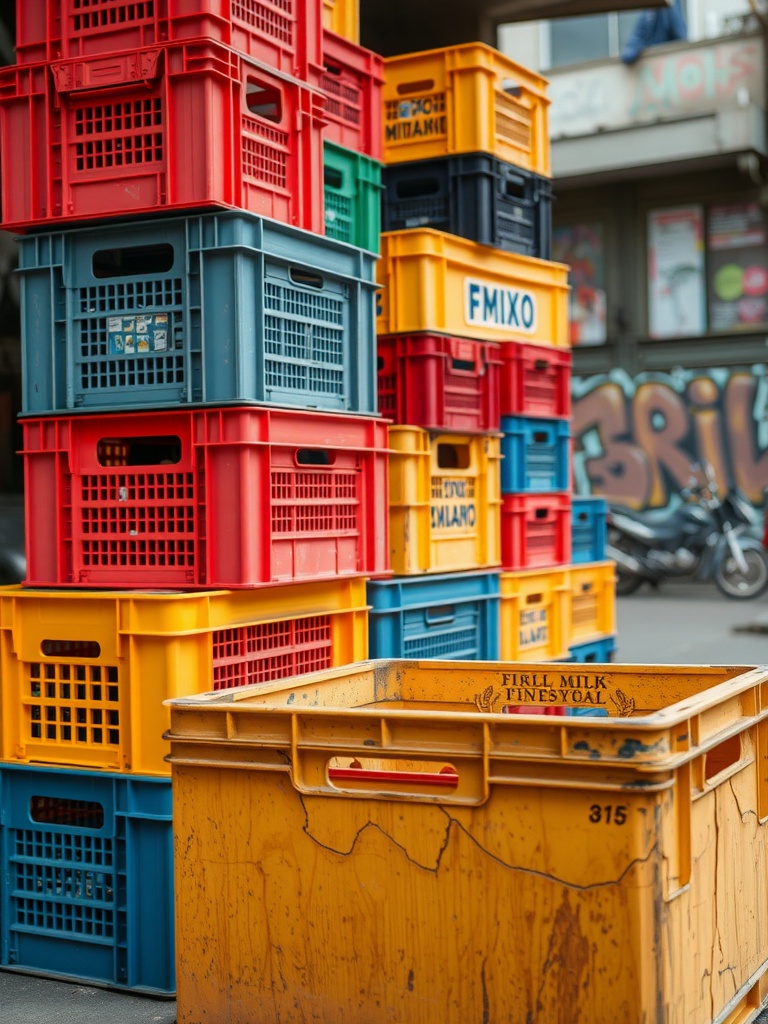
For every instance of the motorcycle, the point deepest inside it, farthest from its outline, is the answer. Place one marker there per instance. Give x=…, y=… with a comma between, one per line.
x=705, y=538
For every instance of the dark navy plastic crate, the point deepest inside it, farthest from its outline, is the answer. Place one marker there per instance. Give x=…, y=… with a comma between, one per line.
x=212, y=308
x=588, y=528
x=449, y=616
x=535, y=455
x=475, y=196
x=86, y=879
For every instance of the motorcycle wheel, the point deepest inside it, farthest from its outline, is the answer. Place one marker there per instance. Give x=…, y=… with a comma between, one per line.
x=732, y=582
x=626, y=583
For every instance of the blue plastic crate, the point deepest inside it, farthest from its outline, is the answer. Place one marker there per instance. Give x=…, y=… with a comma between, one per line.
x=535, y=455
x=588, y=528
x=208, y=308
x=449, y=616
x=86, y=879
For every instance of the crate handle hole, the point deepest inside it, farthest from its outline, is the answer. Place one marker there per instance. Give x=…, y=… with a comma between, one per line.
x=542, y=513
x=514, y=188
x=540, y=436
x=332, y=177
x=264, y=100
x=511, y=87
x=586, y=587
x=305, y=277
x=463, y=365
x=367, y=773
x=51, y=810
x=444, y=613
x=134, y=261
x=423, y=85
x=333, y=69
x=540, y=365
x=534, y=599
x=143, y=451
x=417, y=187
x=723, y=756
x=453, y=456
x=314, y=457
x=70, y=648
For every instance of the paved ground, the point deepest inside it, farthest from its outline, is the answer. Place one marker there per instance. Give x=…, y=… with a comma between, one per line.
x=681, y=624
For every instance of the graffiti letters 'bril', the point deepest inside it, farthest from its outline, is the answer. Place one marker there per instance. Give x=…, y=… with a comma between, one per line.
x=637, y=440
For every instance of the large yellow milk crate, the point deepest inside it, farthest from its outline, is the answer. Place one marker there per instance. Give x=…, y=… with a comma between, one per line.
x=83, y=674
x=434, y=282
x=592, y=601
x=465, y=99
x=534, y=616
x=444, y=501
x=382, y=844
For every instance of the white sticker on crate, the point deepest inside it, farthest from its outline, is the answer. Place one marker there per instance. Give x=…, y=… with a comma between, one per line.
x=491, y=305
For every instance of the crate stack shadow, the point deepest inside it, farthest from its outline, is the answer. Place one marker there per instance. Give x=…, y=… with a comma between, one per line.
x=493, y=555
x=197, y=198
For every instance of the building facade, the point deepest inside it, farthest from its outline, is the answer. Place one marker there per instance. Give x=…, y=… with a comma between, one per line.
x=661, y=209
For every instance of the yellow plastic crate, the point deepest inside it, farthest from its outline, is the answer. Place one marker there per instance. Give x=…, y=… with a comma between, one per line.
x=431, y=281
x=84, y=673
x=465, y=99
x=533, y=614
x=385, y=843
x=444, y=501
x=343, y=18
x=592, y=591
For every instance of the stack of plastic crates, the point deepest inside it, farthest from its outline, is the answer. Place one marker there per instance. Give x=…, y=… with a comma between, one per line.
x=204, y=462
x=472, y=327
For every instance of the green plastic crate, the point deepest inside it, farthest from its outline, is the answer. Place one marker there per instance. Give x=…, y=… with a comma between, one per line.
x=352, y=197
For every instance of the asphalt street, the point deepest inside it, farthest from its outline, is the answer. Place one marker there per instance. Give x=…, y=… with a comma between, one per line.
x=681, y=623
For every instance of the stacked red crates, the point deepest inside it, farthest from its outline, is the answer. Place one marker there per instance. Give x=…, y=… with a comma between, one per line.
x=205, y=467
x=472, y=312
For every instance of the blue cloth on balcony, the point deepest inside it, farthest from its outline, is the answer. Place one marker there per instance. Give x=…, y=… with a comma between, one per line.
x=661, y=25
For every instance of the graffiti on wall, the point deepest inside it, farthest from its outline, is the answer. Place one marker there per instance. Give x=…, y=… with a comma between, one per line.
x=637, y=441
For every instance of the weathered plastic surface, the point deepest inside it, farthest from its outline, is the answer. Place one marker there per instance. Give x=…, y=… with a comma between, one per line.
x=476, y=865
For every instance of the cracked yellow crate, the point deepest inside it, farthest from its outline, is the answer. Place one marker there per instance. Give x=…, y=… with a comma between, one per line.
x=444, y=501
x=382, y=843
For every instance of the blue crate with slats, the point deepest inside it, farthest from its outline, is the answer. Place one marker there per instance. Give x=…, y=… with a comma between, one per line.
x=588, y=528
x=207, y=308
x=86, y=878
x=535, y=455
x=450, y=616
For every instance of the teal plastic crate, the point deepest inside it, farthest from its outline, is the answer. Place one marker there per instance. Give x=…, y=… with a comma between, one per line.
x=450, y=616
x=352, y=197
x=207, y=308
x=86, y=877
x=588, y=528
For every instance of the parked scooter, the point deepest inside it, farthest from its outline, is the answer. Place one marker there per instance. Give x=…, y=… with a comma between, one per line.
x=705, y=538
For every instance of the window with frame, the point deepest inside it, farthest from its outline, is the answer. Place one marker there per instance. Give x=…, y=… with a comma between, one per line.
x=707, y=269
x=589, y=37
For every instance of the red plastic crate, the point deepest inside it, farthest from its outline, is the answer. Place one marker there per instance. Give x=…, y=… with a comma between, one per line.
x=352, y=83
x=169, y=127
x=284, y=34
x=439, y=383
x=535, y=530
x=215, y=497
x=535, y=381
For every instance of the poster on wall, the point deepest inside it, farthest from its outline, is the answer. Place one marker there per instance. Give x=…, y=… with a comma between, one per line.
x=581, y=247
x=737, y=241
x=676, y=283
